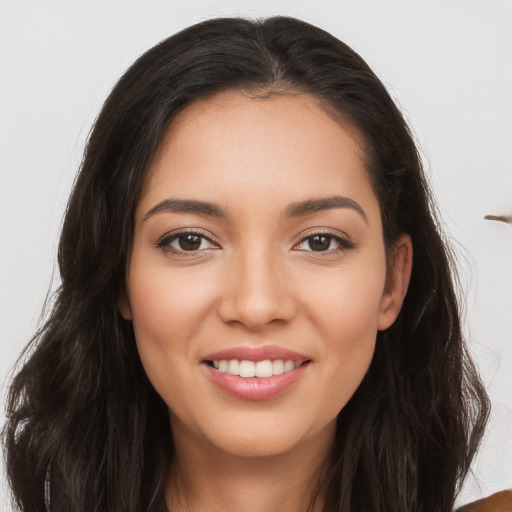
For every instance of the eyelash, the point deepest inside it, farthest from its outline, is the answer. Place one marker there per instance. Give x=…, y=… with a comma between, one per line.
x=165, y=243
x=344, y=244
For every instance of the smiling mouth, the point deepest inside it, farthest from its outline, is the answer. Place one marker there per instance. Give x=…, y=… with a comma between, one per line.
x=260, y=369
x=256, y=373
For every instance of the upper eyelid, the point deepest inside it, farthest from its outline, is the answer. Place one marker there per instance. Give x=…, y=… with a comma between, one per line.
x=304, y=235
x=344, y=241
x=187, y=231
x=165, y=242
x=336, y=233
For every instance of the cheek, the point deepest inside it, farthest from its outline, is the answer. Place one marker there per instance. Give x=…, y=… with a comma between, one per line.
x=166, y=305
x=167, y=309
x=344, y=311
x=345, y=305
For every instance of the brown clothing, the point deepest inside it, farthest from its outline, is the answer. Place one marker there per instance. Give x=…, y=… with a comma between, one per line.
x=499, y=502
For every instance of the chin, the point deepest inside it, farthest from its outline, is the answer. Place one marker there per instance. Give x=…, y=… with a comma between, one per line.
x=264, y=435
x=270, y=445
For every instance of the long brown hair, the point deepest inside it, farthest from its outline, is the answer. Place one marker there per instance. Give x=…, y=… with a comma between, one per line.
x=85, y=423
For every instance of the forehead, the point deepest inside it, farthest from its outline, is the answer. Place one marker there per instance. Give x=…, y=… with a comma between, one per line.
x=277, y=146
x=225, y=113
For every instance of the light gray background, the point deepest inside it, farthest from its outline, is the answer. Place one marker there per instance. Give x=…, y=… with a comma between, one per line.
x=447, y=63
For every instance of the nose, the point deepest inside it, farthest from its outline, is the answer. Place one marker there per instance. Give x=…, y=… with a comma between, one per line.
x=257, y=292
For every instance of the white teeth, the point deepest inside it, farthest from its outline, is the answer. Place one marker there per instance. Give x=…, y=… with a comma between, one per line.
x=264, y=369
x=261, y=369
x=289, y=365
x=247, y=369
x=234, y=367
x=277, y=367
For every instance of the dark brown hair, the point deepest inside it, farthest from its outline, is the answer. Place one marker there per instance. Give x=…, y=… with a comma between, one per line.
x=82, y=414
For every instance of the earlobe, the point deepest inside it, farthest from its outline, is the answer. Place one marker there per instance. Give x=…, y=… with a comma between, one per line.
x=123, y=305
x=397, y=282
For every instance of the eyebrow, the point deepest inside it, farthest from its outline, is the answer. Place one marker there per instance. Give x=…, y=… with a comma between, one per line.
x=186, y=206
x=297, y=209
x=323, y=203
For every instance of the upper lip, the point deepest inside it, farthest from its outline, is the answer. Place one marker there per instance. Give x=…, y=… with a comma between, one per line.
x=260, y=353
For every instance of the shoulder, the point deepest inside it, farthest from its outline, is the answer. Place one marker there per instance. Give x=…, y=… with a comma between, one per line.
x=499, y=502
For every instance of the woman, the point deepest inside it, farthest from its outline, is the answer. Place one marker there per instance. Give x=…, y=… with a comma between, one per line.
x=242, y=324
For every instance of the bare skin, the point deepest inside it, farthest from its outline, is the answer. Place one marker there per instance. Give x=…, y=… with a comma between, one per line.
x=229, y=254
x=282, y=482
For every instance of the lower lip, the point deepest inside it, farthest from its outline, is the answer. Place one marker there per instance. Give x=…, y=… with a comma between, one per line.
x=256, y=388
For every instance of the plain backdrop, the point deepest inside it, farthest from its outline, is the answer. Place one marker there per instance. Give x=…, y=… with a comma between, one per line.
x=448, y=64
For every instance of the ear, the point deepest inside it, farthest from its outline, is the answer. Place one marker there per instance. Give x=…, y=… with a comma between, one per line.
x=397, y=281
x=123, y=304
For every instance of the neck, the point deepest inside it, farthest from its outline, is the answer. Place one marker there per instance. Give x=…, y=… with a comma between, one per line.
x=204, y=478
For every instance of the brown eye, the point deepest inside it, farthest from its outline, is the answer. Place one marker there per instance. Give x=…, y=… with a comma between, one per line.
x=185, y=242
x=319, y=243
x=324, y=242
x=189, y=242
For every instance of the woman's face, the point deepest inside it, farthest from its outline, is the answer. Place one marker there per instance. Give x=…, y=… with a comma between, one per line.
x=258, y=249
